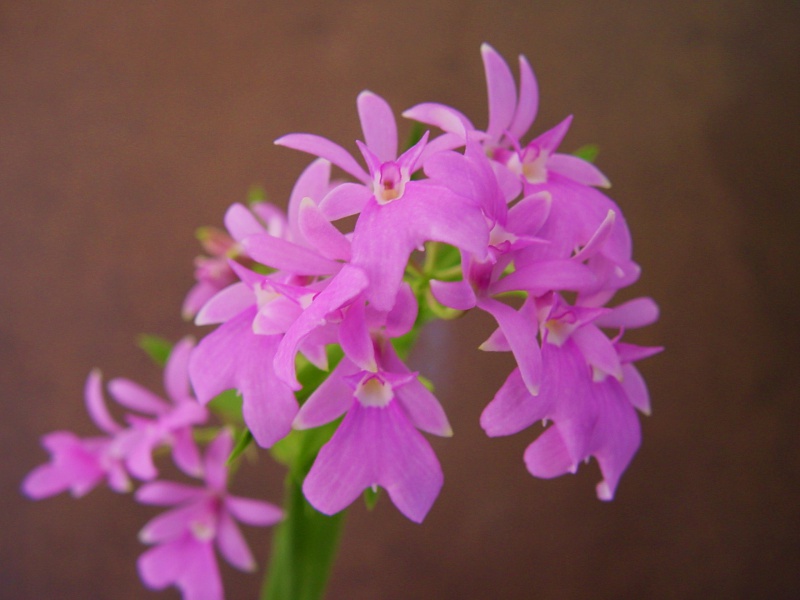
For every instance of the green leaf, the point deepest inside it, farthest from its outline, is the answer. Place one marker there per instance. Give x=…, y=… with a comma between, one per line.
x=242, y=442
x=588, y=152
x=156, y=347
x=228, y=406
x=303, y=549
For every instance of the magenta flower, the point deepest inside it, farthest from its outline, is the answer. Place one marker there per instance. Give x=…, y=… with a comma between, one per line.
x=589, y=390
x=378, y=442
x=80, y=464
x=398, y=215
x=213, y=273
x=203, y=517
x=256, y=312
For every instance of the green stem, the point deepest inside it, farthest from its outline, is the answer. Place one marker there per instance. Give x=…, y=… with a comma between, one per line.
x=303, y=549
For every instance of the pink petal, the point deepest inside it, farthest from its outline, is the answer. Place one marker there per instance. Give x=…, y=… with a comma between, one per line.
x=550, y=140
x=233, y=357
x=216, y=461
x=578, y=170
x=409, y=159
x=342, y=289
x=421, y=406
x=520, y=331
x=324, y=148
x=241, y=223
x=378, y=125
x=314, y=183
x=528, y=215
x=445, y=118
x=288, y=256
x=547, y=457
x=96, y=404
x=355, y=339
x=502, y=92
x=253, y=512
x=598, y=350
x=320, y=234
x=638, y=312
x=170, y=525
x=232, y=545
x=455, y=294
x=330, y=400
x=161, y=566
x=635, y=388
x=547, y=275
x=132, y=395
x=344, y=200
x=226, y=304
x=513, y=408
x=176, y=371
x=185, y=452
x=598, y=239
x=528, y=104
x=616, y=437
x=375, y=446
x=401, y=318
x=167, y=493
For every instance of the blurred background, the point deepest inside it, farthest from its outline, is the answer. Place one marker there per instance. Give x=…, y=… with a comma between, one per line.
x=126, y=125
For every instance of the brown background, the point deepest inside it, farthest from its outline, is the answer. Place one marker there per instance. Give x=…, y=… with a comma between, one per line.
x=124, y=126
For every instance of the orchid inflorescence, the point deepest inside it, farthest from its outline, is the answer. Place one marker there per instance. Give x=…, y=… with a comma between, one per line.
x=314, y=324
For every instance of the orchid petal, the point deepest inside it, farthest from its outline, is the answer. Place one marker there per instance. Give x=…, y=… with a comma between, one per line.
x=235, y=357
x=547, y=275
x=330, y=400
x=355, y=339
x=550, y=140
x=288, y=256
x=375, y=446
x=185, y=452
x=520, y=331
x=513, y=408
x=320, y=234
x=344, y=200
x=241, y=223
x=445, y=118
x=314, y=183
x=253, y=512
x=578, y=170
x=454, y=294
x=528, y=104
x=422, y=407
x=635, y=313
x=167, y=493
x=226, y=304
x=132, y=395
x=96, y=404
x=345, y=286
x=528, y=215
x=176, y=371
x=595, y=243
x=502, y=92
x=324, y=148
x=598, y=350
x=171, y=524
x=378, y=125
x=232, y=545
x=547, y=456
x=636, y=389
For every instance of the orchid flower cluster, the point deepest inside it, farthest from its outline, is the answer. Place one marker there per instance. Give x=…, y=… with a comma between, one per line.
x=314, y=323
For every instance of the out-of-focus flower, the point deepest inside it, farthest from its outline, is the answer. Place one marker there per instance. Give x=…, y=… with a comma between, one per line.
x=203, y=517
